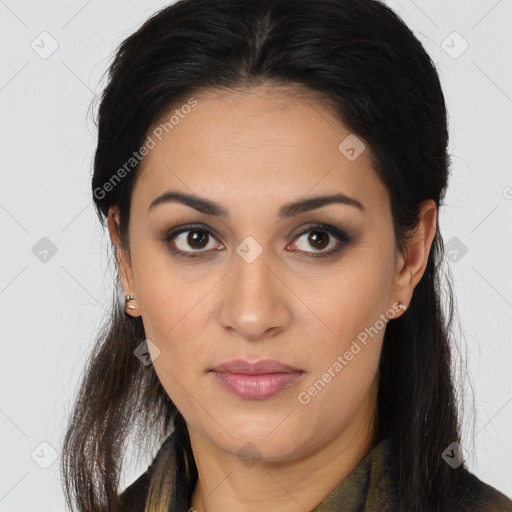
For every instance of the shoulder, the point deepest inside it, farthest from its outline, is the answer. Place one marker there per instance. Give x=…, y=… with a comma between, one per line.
x=133, y=498
x=477, y=496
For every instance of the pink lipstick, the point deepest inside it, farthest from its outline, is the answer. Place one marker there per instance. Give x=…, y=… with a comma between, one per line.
x=256, y=381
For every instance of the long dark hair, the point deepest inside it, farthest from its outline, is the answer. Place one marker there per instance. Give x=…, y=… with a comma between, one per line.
x=366, y=63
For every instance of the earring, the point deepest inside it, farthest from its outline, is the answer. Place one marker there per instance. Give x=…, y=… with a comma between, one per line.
x=401, y=306
x=129, y=298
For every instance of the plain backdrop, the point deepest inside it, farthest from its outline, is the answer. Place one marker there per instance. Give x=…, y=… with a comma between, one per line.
x=55, y=284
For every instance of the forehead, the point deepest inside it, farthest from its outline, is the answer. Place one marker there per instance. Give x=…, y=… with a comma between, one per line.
x=261, y=143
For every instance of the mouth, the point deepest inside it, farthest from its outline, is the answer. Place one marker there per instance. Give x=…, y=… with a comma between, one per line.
x=258, y=380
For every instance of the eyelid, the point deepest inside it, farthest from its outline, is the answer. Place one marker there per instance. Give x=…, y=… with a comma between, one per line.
x=322, y=226
x=173, y=233
x=339, y=234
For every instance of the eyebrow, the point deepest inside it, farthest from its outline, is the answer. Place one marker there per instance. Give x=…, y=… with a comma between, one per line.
x=209, y=207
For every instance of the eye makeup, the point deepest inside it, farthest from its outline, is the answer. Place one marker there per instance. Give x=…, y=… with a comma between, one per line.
x=199, y=234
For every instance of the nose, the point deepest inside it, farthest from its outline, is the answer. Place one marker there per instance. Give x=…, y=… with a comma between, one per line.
x=254, y=299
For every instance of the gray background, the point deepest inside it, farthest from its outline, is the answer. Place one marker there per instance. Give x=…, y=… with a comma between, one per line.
x=53, y=303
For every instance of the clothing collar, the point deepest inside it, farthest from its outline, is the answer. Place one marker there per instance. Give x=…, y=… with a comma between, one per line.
x=367, y=488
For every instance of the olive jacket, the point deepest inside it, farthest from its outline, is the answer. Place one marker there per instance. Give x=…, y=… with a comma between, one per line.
x=368, y=488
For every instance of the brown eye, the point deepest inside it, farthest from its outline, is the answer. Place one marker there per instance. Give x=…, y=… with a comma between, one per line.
x=192, y=242
x=318, y=239
x=197, y=238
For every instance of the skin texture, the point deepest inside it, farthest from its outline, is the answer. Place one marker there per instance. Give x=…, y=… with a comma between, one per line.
x=252, y=151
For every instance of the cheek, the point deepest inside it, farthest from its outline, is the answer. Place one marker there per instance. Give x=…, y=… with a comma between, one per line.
x=168, y=297
x=353, y=297
x=344, y=363
x=174, y=313
x=344, y=360
x=174, y=317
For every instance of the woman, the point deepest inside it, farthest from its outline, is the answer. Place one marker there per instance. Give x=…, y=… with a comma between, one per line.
x=271, y=173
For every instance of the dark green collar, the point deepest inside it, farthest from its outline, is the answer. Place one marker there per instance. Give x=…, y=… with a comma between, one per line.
x=367, y=488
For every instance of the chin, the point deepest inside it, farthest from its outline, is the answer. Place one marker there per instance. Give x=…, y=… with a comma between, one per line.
x=266, y=440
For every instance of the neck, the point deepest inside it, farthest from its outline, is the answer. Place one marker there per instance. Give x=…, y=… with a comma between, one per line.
x=226, y=482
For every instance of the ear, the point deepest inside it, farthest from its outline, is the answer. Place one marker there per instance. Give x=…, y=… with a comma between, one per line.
x=411, y=264
x=123, y=263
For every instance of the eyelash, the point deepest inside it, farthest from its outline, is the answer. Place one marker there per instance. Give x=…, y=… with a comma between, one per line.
x=341, y=236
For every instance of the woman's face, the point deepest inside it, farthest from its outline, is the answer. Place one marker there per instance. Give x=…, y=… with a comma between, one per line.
x=264, y=272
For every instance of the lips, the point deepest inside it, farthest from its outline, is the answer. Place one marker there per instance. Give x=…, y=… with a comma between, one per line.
x=257, y=368
x=258, y=380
